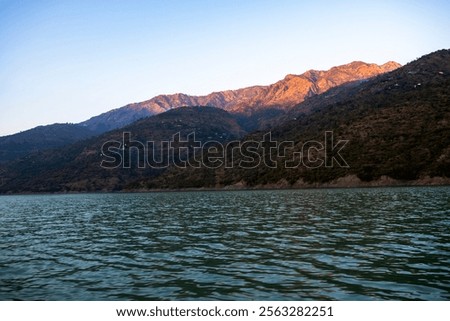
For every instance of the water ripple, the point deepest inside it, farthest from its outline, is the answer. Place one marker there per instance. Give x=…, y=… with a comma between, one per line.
x=348, y=244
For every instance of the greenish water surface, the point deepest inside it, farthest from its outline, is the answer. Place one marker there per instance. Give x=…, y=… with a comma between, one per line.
x=324, y=244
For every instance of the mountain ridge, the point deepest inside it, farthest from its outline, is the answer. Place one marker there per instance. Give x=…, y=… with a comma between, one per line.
x=283, y=94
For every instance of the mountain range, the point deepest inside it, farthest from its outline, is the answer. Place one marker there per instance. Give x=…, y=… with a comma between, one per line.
x=283, y=94
x=396, y=121
x=254, y=105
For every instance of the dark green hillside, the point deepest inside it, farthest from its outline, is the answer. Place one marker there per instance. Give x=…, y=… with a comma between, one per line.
x=77, y=167
x=397, y=125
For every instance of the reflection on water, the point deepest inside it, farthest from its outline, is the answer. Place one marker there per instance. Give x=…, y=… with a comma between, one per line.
x=346, y=244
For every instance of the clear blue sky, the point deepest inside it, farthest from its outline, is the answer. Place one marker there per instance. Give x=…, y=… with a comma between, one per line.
x=65, y=61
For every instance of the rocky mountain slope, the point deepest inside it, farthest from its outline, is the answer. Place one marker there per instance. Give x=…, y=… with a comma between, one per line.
x=284, y=94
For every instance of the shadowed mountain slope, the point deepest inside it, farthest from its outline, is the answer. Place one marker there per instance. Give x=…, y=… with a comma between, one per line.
x=41, y=138
x=77, y=167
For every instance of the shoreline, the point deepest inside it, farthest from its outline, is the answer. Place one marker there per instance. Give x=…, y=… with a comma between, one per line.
x=345, y=182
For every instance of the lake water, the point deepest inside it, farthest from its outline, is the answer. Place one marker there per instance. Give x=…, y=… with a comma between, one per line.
x=338, y=244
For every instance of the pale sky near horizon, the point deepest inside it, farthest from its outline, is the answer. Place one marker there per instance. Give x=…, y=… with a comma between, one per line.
x=66, y=61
